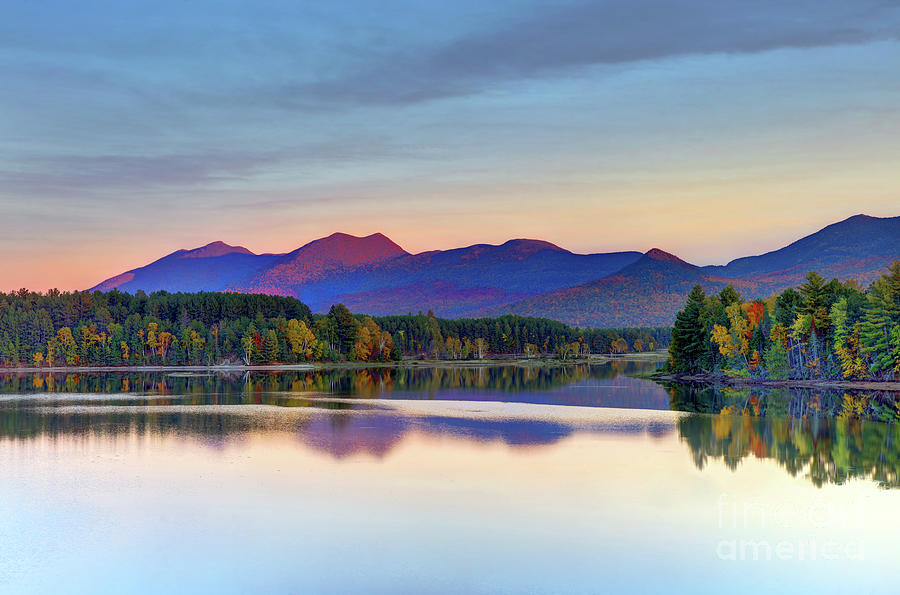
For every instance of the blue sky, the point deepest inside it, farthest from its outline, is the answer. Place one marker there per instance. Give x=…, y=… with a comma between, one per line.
x=711, y=129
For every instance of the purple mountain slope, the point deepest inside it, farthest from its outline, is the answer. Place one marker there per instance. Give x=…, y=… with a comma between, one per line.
x=531, y=277
x=208, y=268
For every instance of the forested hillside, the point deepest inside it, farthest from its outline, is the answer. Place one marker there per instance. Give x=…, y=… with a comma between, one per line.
x=654, y=285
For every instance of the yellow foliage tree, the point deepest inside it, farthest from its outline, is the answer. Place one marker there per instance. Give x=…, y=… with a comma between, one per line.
x=734, y=341
x=849, y=352
x=300, y=338
x=66, y=343
x=164, y=341
x=367, y=339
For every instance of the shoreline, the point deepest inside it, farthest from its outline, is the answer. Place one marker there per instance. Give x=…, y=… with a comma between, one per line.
x=305, y=367
x=712, y=380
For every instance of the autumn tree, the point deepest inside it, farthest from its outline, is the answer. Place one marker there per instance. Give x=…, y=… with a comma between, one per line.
x=196, y=346
x=734, y=340
x=846, y=342
x=479, y=348
x=164, y=342
x=250, y=344
x=67, y=346
x=115, y=328
x=453, y=347
x=300, y=339
x=366, y=336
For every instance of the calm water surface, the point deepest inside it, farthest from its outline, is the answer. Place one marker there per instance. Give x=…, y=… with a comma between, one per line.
x=575, y=479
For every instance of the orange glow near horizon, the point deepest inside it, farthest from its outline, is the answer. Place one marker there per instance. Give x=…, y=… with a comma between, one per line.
x=698, y=237
x=440, y=126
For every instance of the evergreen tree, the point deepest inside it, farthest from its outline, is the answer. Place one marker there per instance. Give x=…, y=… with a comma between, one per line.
x=882, y=315
x=786, y=305
x=271, y=347
x=729, y=296
x=812, y=294
x=776, y=361
x=346, y=327
x=689, y=337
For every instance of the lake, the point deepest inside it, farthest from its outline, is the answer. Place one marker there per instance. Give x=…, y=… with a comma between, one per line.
x=500, y=479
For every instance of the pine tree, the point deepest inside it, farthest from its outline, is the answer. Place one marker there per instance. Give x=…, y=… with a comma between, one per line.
x=776, y=360
x=729, y=296
x=346, y=327
x=689, y=341
x=812, y=294
x=271, y=347
x=786, y=305
x=882, y=314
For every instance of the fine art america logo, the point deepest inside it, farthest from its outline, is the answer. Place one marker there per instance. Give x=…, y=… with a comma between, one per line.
x=756, y=531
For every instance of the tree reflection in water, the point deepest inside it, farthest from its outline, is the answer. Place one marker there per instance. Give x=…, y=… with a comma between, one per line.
x=829, y=437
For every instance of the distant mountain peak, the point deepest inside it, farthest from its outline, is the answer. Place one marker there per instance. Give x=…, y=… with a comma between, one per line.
x=836, y=250
x=374, y=275
x=374, y=247
x=338, y=253
x=213, y=249
x=528, y=245
x=663, y=256
x=856, y=220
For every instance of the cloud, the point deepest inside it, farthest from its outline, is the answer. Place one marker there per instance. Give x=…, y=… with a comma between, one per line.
x=65, y=175
x=611, y=32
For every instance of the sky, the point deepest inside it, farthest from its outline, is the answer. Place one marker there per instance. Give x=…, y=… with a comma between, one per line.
x=709, y=128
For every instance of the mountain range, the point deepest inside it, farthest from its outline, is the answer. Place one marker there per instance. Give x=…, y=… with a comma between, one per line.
x=373, y=274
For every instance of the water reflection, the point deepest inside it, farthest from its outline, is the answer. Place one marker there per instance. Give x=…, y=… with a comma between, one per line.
x=325, y=409
x=829, y=437
x=302, y=482
x=339, y=428
x=824, y=437
x=588, y=385
x=798, y=403
x=822, y=449
x=385, y=382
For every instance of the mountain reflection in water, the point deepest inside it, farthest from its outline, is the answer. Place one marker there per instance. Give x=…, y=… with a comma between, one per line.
x=825, y=437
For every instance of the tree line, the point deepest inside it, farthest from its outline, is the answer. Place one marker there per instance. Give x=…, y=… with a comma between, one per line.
x=208, y=328
x=821, y=330
x=425, y=335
